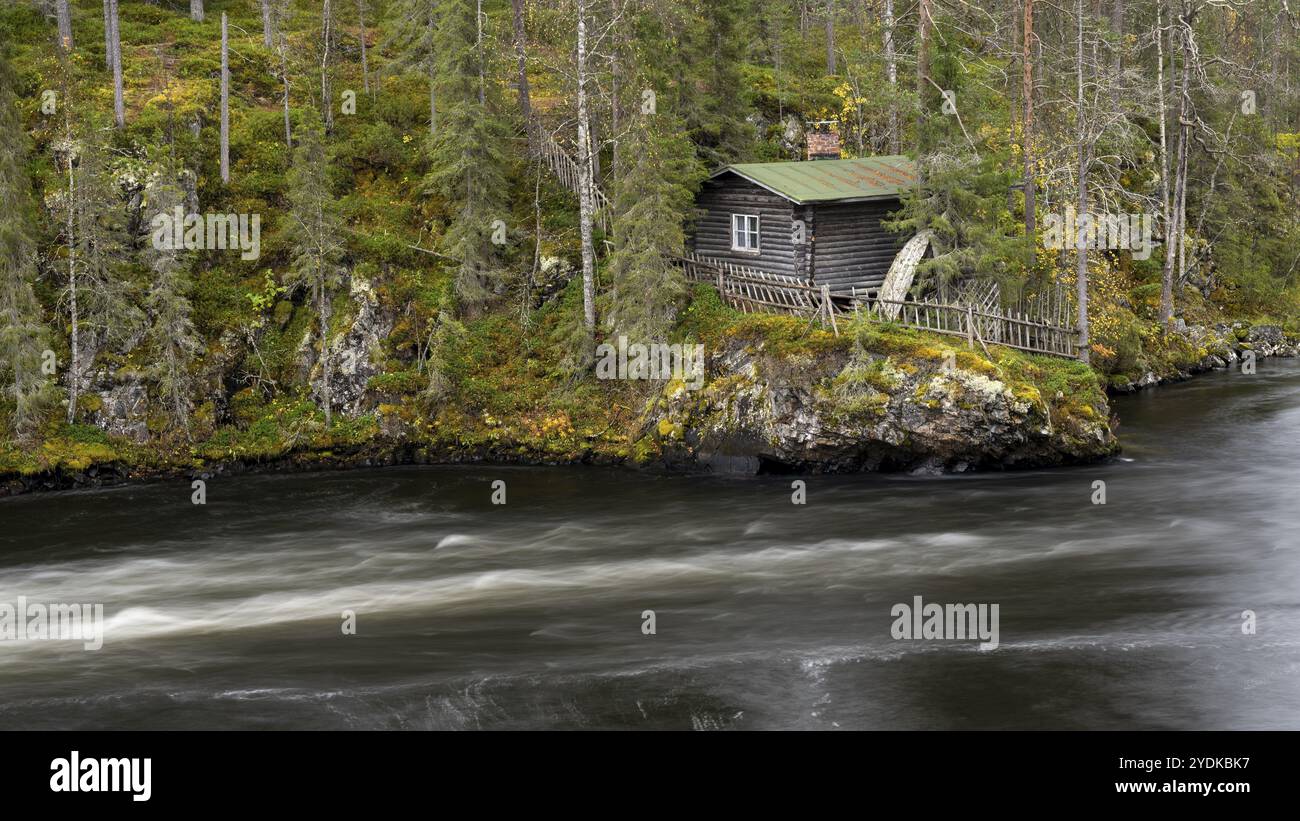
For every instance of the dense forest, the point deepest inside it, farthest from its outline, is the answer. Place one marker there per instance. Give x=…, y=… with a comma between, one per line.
x=254, y=228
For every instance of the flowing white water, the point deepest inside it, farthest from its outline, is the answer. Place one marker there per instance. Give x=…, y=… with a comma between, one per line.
x=767, y=614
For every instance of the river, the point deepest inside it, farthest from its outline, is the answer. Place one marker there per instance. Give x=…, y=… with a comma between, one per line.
x=766, y=614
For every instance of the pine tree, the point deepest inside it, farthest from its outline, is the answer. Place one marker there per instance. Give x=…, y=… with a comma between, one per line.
x=650, y=200
x=317, y=252
x=468, y=155
x=23, y=335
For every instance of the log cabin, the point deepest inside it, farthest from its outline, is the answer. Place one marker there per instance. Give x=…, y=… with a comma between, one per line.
x=818, y=220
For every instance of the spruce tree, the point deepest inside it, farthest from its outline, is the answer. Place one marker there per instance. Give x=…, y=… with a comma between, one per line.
x=650, y=200
x=317, y=251
x=469, y=164
x=101, y=300
x=171, y=336
x=23, y=335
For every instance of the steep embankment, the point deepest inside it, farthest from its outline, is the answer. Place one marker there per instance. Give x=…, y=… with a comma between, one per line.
x=777, y=394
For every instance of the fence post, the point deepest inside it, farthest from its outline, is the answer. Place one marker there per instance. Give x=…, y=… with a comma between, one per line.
x=970, y=327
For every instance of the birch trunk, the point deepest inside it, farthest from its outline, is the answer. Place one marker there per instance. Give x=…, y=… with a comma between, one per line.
x=585, y=176
x=1081, y=248
x=891, y=67
x=326, y=103
x=922, y=68
x=73, y=375
x=1167, y=276
x=1030, y=182
x=196, y=10
x=284, y=78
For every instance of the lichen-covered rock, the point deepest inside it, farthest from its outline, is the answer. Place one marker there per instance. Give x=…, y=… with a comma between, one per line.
x=865, y=411
x=123, y=407
x=354, y=353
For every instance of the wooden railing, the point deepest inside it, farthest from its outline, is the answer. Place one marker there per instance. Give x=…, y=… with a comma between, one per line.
x=566, y=170
x=751, y=290
x=985, y=327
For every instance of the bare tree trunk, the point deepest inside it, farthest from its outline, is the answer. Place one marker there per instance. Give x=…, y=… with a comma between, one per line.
x=365, y=67
x=323, y=314
x=433, y=99
x=64, y=15
x=478, y=48
x=525, y=100
x=266, y=24
x=1030, y=181
x=830, y=36
x=1117, y=26
x=433, y=82
x=74, y=373
x=326, y=103
x=284, y=78
x=196, y=10
x=585, y=177
x=1167, y=277
x=119, y=104
x=225, y=100
x=108, y=39
x=891, y=67
x=922, y=67
x=1081, y=248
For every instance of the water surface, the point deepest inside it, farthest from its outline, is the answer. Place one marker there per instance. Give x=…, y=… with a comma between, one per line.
x=768, y=614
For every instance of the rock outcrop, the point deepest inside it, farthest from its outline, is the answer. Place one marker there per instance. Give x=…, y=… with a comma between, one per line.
x=868, y=411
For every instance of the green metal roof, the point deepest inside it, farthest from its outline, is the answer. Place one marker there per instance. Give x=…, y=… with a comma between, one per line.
x=831, y=180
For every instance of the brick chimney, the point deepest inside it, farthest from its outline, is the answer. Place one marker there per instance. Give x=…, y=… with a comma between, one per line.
x=823, y=143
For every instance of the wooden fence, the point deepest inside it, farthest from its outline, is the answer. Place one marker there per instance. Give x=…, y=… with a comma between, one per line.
x=751, y=290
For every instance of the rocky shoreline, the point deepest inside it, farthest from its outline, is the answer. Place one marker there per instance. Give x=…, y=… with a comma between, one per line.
x=1226, y=345
x=848, y=409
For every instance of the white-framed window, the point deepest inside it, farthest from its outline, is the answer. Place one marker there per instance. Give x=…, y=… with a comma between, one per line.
x=744, y=232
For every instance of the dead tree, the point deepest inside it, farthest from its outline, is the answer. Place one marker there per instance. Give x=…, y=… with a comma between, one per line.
x=119, y=103
x=225, y=100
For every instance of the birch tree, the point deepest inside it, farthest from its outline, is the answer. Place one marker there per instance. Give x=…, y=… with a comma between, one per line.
x=891, y=71
x=196, y=10
x=586, y=175
x=327, y=102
